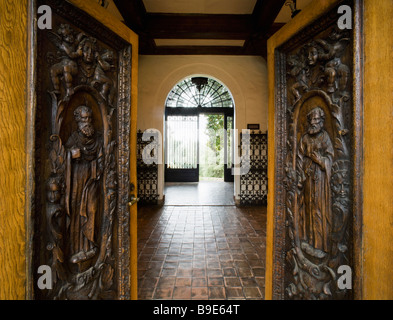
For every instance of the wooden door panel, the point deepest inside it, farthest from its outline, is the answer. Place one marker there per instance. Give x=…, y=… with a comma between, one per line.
x=82, y=158
x=316, y=160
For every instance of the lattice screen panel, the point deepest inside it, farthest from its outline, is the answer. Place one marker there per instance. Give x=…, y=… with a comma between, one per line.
x=147, y=171
x=253, y=185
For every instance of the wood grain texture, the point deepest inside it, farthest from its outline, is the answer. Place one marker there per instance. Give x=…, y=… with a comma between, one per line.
x=309, y=14
x=378, y=153
x=13, y=32
x=375, y=255
x=110, y=21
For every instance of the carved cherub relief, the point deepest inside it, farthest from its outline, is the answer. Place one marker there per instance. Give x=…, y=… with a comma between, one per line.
x=297, y=71
x=87, y=61
x=332, y=70
x=101, y=80
x=68, y=45
x=336, y=72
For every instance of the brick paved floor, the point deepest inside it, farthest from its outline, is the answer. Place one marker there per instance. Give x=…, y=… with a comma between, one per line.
x=201, y=252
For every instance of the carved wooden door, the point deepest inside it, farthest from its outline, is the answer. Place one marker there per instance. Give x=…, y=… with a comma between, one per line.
x=82, y=158
x=317, y=159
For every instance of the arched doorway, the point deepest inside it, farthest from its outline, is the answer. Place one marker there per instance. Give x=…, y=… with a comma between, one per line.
x=199, y=122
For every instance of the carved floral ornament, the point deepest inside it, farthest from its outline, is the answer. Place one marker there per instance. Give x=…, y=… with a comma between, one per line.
x=317, y=167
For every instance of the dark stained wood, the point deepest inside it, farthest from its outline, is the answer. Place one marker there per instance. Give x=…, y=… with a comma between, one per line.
x=317, y=127
x=134, y=14
x=199, y=26
x=254, y=28
x=80, y=216
x=263, y=16
x=193, y=50
x=273, y=29
x=265, y=12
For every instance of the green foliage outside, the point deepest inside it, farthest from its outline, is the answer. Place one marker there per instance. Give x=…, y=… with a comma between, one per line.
x=212, y=159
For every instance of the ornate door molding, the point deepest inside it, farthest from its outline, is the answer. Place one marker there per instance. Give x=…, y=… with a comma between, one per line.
x=317, y=159
x=80, y=225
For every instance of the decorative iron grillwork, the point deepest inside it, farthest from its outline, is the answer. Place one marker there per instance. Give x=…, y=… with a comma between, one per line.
x=147, y=172
x=253, y=185
x=199, y=92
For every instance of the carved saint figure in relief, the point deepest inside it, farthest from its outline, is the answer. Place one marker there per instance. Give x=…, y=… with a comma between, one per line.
x=315, y=157
x=83, y=187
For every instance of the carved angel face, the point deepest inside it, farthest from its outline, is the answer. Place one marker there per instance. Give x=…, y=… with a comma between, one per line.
x=66, y=33
x=340, y=184
x=312, y=57
x=53, y=192
x=108, y=56
x=88, y=52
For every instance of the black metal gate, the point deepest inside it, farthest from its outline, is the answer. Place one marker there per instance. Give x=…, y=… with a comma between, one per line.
x=182, y=163
x=186, y=102
x=182, y=143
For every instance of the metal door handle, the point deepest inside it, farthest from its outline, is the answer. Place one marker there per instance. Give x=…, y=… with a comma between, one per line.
x=133, y=200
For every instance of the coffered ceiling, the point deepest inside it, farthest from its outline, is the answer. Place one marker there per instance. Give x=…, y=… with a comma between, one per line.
x=227, y=27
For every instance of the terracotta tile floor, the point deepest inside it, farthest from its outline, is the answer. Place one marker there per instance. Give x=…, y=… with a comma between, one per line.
x=207, y=193
x=201, y=252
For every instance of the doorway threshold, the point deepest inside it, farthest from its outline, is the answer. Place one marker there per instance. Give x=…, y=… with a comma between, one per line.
x=203, y=193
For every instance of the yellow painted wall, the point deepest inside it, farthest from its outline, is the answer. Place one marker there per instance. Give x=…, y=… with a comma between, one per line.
x=378, y=151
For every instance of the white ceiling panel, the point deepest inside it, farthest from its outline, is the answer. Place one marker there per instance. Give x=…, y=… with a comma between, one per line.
x=200, y=6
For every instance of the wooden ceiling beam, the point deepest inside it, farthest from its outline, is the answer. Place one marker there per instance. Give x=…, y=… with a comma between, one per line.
x=263, y=17
x=193, y=50
x=273, y=29
x=199, y=26
x=134, y=14
x=254, y=28
x=265, y=13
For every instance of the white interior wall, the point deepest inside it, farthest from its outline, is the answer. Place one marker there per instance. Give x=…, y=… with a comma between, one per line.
x=244, y=76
